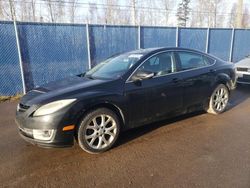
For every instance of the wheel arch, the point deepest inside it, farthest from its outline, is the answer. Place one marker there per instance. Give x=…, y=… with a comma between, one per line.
x=223, y=78
x=107, y=105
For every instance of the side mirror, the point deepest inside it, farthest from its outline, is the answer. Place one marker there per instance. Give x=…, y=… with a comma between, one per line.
x=81, y=75
x=143, y=75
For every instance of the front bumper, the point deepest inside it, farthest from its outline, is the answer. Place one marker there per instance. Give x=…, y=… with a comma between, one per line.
x=45, y=144
x=243, y=77
x=55, y=121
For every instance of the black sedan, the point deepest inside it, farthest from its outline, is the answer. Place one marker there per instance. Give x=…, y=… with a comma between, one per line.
x=123, y=92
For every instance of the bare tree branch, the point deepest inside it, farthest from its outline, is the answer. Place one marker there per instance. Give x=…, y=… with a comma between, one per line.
x=51, y=11
x=12, y=9
x=72, y=10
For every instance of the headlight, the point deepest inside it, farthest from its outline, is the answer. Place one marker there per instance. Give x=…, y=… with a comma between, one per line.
x=43, y=134
x=52, y=107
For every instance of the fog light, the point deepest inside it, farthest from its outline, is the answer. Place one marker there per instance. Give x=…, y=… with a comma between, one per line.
x=29, y=132
x=43, y=134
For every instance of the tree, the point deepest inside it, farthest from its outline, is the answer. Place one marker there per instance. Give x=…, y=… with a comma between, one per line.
x=51, y=10
x=1, y=11
x=149, y=14
x=166, y=5
x=60, y=12
x=201, y=17
x=183, y=13
x=93, y=13
x=209, y=13
x=12, y=9
x=246, y=18
x=239, y=19
x=26, y=11
x=232, y=18
x=134, y=15
x=33, y=9
x=56, y=10
x=215, y=6
x=109, y=13
x=72, y=10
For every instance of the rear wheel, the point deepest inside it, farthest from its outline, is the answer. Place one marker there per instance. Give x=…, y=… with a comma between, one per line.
x=218, y=100
x=98, y=130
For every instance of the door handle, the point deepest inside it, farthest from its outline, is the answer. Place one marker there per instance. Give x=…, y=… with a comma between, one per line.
x=175, y=80
x=212, y=70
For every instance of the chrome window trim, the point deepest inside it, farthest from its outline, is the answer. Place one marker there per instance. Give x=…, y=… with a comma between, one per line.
x=129, y=81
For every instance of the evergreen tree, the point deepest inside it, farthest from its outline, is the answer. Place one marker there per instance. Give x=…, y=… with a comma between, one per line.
x=183, y=13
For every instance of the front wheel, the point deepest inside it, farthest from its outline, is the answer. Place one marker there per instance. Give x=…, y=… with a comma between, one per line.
x=98, y=130
x=218, y=100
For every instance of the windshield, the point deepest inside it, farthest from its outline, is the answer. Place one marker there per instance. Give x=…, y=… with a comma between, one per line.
x=114, y=67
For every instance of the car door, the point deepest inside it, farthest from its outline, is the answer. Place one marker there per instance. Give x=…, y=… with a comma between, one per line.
x=197, y=73
x=154, y=98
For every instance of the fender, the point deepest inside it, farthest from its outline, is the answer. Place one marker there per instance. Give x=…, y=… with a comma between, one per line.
x=101, y=100
x=224, y=79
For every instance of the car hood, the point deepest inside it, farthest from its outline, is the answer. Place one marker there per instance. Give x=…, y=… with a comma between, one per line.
x=62, y=89
x=68, y=83
x=243, y=63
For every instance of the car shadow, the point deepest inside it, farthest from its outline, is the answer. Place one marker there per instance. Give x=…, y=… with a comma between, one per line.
x=132, y=134
x=238, y=96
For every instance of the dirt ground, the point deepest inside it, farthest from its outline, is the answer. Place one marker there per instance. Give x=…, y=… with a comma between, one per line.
x=197, y=150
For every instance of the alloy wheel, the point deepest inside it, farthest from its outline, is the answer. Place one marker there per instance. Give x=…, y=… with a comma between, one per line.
x=220, y=99
x=100, y=132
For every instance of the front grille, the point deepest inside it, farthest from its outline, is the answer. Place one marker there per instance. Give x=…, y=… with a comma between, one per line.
x=22, y=107
x=242, y=69
x=244, y=79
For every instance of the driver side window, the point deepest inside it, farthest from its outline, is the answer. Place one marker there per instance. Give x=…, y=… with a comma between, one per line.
x=160, y=64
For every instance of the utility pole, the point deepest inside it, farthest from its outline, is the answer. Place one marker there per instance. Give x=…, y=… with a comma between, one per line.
x=239, y=13
x=13, y=15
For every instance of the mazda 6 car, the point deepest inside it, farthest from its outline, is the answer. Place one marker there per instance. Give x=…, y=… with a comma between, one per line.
x=123, y=92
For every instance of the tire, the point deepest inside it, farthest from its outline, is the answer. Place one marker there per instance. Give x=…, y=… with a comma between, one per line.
x=218, y=100
x=98, y=131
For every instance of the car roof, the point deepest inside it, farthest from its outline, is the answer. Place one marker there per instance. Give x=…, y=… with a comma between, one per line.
x=159, y=49
x=149, y=51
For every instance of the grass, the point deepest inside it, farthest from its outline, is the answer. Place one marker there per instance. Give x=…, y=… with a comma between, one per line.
x=10, y=98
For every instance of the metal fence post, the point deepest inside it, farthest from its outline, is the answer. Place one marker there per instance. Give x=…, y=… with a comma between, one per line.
x=88, y=45
x=231, y=46
x=207, y=40
x=177, y=37
x=20, y=57
x=139, y=37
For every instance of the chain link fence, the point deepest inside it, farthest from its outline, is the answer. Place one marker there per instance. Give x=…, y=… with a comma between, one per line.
x=220, y=42
x=157, y=36
x=51, y=52
x=109, y=40
x=54, y=51
x=241, y=44
x=10, y=80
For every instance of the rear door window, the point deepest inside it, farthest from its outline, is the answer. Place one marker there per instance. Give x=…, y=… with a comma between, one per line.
x=208, y=60
x=189, y=60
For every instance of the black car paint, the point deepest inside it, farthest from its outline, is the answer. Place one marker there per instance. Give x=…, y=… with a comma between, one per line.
x=136, y=103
